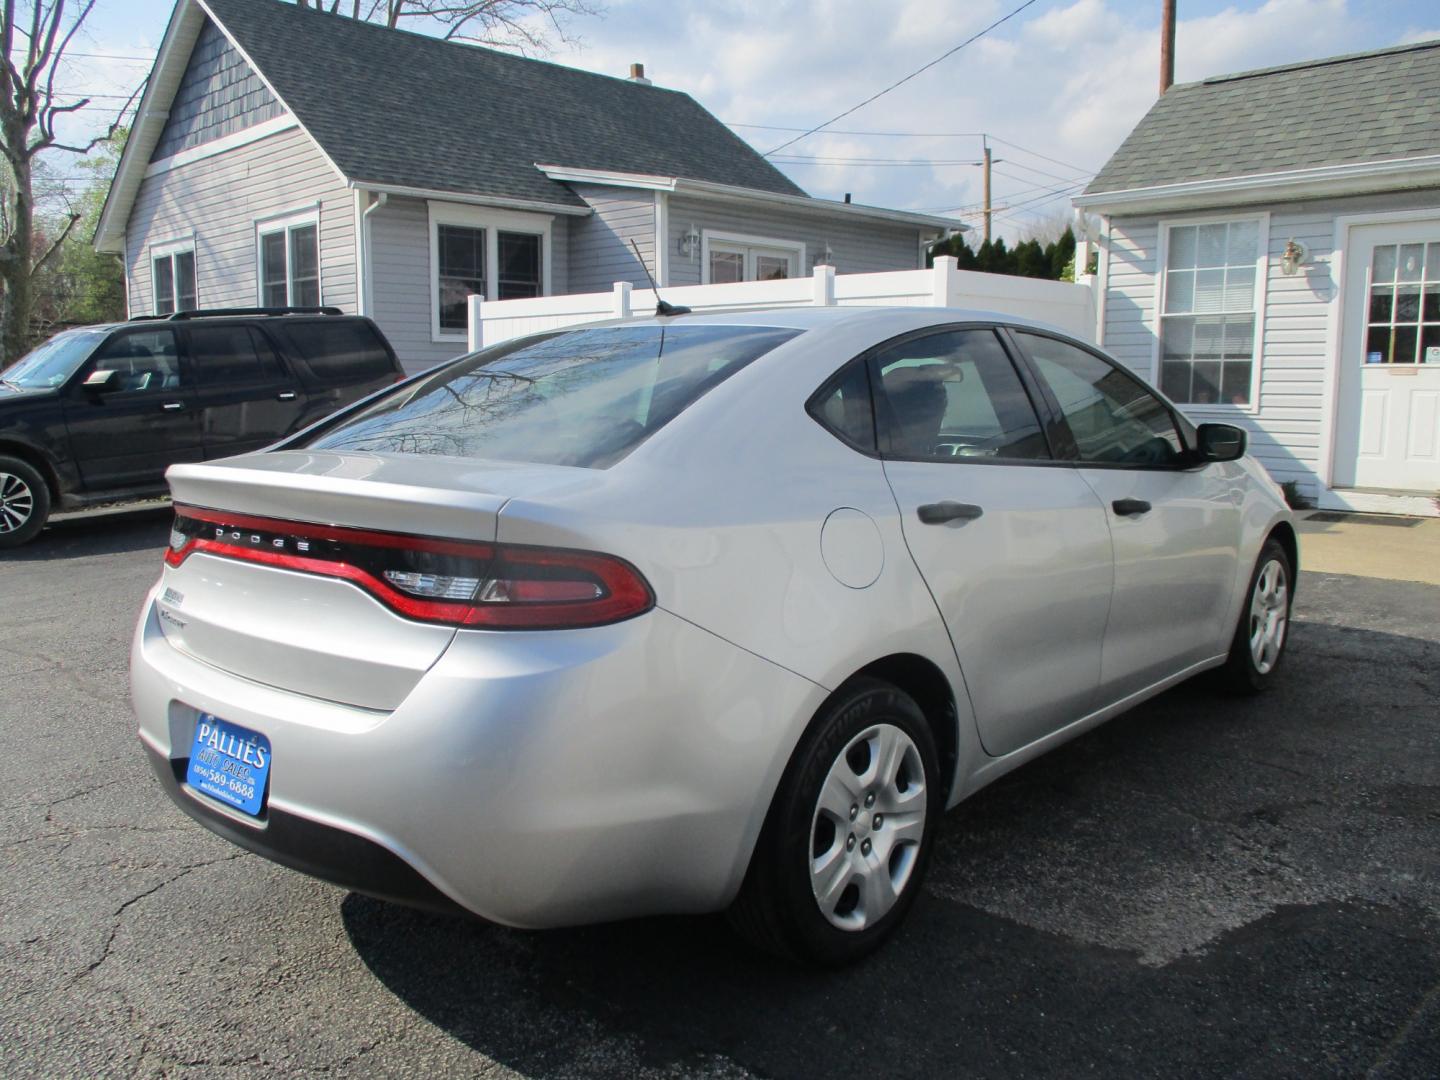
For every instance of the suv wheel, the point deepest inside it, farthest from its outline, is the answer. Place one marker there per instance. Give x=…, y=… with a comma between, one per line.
x=24, y=502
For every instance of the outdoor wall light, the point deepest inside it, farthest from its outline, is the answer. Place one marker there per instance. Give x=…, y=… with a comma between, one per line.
x=1293, y=258
x=690, y=242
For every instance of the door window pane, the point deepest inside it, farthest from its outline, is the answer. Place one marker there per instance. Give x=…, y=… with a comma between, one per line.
x=1404, y=311
x=461, y=271
x=146, y=361
x=1113, y=417
x=163, y=276
x=519, y=266
x=732, y=261
x=954, y=396
x=227, y=355
x=772, y=267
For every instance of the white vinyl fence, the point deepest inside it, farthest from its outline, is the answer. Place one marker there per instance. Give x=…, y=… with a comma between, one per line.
x=1070, y=306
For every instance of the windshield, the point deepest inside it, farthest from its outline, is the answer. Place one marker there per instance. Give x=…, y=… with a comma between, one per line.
x=579, y=397
x=52, y=363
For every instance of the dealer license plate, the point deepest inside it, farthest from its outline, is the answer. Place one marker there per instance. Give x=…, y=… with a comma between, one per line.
x=230, y=763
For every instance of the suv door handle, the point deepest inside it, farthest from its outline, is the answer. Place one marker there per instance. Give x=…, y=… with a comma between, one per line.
x=285, y=395
x=1130, y=507
x=941, y=512
x=173, y=406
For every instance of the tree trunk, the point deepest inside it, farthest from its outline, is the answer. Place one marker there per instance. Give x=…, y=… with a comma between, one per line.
x=15, y=258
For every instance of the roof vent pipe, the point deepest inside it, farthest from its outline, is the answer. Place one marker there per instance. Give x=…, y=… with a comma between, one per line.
x=847, y=196
x=637, y=74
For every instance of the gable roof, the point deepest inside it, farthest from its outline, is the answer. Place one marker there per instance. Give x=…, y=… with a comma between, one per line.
x=1332, y=114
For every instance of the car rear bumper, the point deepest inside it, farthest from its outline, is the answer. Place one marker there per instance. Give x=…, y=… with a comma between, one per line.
x=535, y=779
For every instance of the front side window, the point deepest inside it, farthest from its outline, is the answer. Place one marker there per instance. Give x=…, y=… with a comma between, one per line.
x=173, y=282
x=1404, y=321
x=1111, y=415
x=232, y=355
x=47, y=366
x=145, y=361
x=578, y=397
x=954, y=396
x=1208, y=316
x=290, y=265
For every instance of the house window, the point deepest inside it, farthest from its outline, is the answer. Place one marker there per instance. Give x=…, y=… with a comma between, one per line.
x=289, y=257
x=1209, y=314
x=1404, y=320
x=494, y=254
x=172, y=278
x=730, y=259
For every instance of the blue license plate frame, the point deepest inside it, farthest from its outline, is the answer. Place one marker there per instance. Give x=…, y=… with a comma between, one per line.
x=230, y=764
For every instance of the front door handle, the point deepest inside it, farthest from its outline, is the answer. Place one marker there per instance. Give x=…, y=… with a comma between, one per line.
x=173, y=406
x=285, y=395
x=941, y=512
x=1130, y=507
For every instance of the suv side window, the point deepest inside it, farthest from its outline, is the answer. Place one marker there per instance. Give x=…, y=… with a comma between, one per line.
x=233, y=355
x=147, y=361
x=1112, y=416
x=338, y=350
x=954, y=396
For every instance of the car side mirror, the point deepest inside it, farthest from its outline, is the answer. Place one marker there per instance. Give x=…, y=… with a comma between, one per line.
x=1220, y=442
x=102, y=380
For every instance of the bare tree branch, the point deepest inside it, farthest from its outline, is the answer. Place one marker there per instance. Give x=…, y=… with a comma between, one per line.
x=528, y=26
x=44, y=260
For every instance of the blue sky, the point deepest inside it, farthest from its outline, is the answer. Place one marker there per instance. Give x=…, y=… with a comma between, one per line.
x=1057, y=87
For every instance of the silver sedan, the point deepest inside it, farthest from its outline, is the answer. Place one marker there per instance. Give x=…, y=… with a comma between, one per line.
x=694, y=613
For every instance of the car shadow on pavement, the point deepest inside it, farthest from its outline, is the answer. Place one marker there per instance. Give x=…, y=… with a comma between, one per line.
x=1240, y=790
x=110, y=532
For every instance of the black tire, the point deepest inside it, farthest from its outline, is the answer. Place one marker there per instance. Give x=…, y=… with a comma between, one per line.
x=777, y=909
x=24, y=502
x=1242, y=673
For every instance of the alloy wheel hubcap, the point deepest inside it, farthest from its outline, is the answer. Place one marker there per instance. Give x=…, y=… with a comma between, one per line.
x=1269, y=612
x=866, y=831
x=17, y=502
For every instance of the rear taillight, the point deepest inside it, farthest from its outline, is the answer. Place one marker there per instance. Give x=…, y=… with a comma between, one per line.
x=456, y=582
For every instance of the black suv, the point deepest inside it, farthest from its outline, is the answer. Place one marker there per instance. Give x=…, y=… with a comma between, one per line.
x=97, y=413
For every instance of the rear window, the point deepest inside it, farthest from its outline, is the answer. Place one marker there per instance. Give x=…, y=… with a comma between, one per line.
x=337, y=350
x=580, y=397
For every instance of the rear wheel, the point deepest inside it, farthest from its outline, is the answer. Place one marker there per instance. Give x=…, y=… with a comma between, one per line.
x=24, y=502
x=1259, y=642
x=848, y=838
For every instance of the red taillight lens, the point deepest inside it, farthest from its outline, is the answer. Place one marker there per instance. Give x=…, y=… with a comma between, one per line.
x=456, y=582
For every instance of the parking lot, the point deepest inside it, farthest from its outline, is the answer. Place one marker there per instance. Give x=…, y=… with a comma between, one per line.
x=1204, y=887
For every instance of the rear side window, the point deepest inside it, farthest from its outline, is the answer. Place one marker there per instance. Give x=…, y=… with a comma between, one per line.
x=580, y=397
x=232, y=354
x=954, y=396
x=338, y=350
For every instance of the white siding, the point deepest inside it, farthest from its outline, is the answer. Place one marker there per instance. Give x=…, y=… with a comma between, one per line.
x=1288, y=422
x=400, y=279
x=857, y=247
x=217, y=201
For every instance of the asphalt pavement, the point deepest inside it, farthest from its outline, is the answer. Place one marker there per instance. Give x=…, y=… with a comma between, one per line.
x=1204, y=887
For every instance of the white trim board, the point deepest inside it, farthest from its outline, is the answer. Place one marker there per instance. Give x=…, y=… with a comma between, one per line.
x=252, y=134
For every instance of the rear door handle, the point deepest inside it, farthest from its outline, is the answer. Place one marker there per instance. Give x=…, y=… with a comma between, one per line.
x=1130, y=507
x=941, y=512
x=285, y=395
x=173, y=406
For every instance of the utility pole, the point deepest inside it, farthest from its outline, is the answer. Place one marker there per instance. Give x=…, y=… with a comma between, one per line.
x=1167, y=45
x=986, y=143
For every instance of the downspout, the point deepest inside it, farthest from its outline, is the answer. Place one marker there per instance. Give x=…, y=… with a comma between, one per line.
x=362, y=294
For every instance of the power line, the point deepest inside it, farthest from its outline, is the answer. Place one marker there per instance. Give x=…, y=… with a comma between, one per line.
x=888, y=134
x=879, y=162
x=900, y=82
x=106, y=56
x=1042, y=157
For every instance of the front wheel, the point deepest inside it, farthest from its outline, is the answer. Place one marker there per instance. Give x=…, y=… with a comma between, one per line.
x=24, y=502
x=1259, y=642
x=845, y=847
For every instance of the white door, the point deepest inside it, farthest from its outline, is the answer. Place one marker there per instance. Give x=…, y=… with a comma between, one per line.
x=1388, y=436
x=731, y=262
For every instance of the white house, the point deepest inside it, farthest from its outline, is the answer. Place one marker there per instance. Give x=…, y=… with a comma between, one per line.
x=1270, y=256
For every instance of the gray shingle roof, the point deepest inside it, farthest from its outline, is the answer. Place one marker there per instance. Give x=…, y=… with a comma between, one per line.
x=1344, y=110
x=403, y=109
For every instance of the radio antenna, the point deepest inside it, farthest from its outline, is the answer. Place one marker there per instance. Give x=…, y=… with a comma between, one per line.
x=661, y=307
